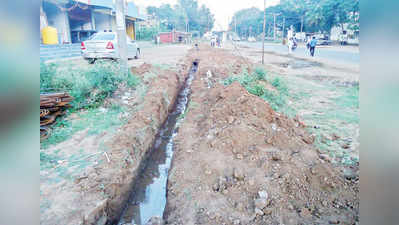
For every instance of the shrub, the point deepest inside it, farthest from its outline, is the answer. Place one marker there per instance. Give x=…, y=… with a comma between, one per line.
x=256, y=89
x=260, y=73
x=89, y=86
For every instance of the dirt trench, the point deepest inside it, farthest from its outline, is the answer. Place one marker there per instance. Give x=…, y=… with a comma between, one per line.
x=237, y=161
x=99, y=194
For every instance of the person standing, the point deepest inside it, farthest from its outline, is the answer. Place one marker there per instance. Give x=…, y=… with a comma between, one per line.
x=312, y=46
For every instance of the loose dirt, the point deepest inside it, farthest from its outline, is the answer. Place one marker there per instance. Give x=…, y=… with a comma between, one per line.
x=237, y=161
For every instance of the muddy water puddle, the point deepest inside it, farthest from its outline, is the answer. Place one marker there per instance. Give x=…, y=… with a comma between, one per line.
x=148, y=197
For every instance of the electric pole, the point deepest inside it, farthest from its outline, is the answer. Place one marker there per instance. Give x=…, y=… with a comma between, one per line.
x=235, y=25
x=263, y=35
x=274, y=26
x=121, y=33
x=301, y=24
x=283, y=26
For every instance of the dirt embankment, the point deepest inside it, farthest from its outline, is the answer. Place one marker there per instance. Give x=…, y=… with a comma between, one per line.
x=239, y=162
x=97, y=195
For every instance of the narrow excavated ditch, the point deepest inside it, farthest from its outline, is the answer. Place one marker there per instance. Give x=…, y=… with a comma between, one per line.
x=148, y=197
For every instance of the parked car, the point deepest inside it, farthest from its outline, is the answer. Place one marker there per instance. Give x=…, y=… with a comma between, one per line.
x=251, y=39
x=323, y=42
x=104, y=45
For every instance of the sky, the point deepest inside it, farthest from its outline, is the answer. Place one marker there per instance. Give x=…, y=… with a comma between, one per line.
x=222, y=9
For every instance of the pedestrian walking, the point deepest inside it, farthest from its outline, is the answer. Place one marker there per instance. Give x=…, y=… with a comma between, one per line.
x=308, y=43
x=312, y=45
x=290, y=45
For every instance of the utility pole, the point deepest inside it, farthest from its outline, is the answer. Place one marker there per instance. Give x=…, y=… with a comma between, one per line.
x=274, y=26
x=121, y=33
x=283, y=26
x=235, y=25
x=263, y=35
x=301, y=24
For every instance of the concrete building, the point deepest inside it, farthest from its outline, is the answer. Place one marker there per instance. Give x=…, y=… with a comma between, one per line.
x=77, y=20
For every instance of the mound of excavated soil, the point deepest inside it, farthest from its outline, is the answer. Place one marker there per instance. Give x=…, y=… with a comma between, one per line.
x=239, y=162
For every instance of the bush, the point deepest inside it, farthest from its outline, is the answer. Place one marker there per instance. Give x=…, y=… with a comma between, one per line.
x=260, y=73
x=280, y=86
x=277, y=100
x=89, y=86
x=256, y=89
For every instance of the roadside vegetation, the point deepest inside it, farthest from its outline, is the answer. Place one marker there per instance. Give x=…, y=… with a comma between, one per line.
x=330, y=120
x=255, y=83
x=89, y=86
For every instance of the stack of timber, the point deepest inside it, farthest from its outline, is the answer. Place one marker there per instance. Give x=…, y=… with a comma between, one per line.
x=52, y=105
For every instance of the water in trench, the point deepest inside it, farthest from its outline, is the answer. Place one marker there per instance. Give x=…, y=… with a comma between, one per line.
x=149, y=193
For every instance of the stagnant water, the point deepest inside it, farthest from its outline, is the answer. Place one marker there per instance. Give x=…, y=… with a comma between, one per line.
x=148, y=198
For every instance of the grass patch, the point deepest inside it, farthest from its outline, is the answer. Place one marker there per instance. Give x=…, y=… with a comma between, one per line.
x=88, y=85
x=252, y=83
x=328, y=109
x=96, y=120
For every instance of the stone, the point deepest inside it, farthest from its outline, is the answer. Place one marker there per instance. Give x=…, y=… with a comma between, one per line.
x=261, y=203
x=155, y=220
x=96, y=212
x=230, y=119
x=258, y=212
x=236, y=222
x=215, y=187
x=267, y=211
x=225, y=191
x=251, y=182
x=276, y=156
x=238, y=174
x=239, y=156
x=325, y=157
x=305, y=212
x=349, y=174
x=263, y=194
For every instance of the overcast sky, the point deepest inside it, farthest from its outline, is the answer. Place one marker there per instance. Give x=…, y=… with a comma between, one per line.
x=222, y=9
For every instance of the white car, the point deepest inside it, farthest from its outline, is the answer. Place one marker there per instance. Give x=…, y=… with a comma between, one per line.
x=251, y=39
x=104, y=45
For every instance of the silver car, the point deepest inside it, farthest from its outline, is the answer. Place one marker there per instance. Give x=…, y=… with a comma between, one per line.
x=104, y=45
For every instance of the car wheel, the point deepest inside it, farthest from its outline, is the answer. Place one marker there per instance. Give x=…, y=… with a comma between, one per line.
x=91, y=61
x=137, y=54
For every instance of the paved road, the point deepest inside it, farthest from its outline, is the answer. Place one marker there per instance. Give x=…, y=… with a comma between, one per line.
x=321, y=52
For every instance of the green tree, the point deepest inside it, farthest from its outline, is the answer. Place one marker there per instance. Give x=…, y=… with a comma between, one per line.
x=184, y=12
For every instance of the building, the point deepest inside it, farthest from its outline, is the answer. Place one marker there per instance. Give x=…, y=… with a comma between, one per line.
x=175, y=37
x=345, y=35
x=77, y=20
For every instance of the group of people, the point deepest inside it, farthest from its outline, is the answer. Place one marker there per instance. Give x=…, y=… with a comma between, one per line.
x=310, y=44
x=215, y=41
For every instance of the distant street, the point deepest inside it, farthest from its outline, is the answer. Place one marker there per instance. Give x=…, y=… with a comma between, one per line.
x=324, y=52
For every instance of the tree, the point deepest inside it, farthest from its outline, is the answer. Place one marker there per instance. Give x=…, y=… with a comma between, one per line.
x=247, y=21
x=185, y=12
x=314, y=15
